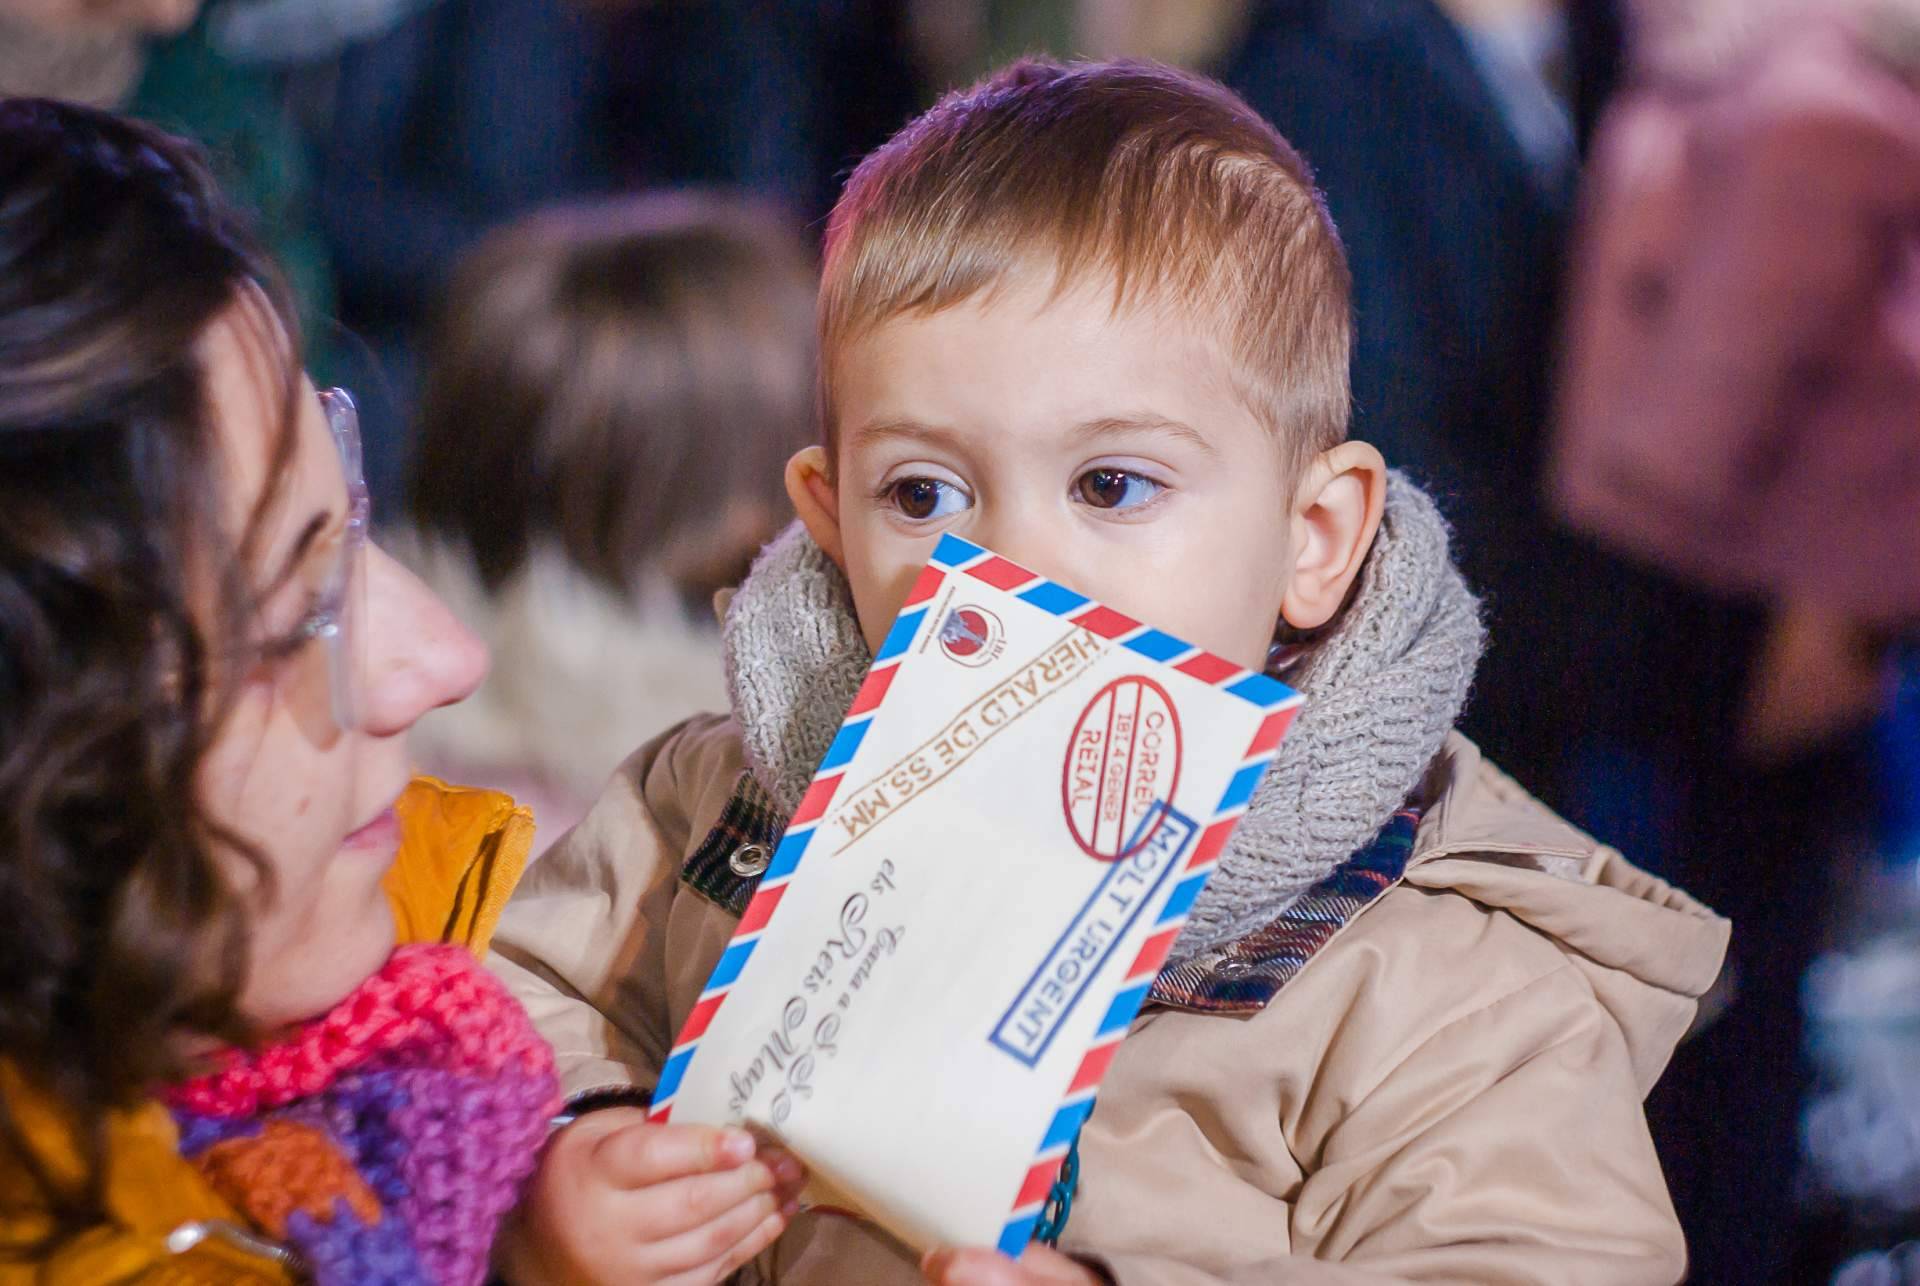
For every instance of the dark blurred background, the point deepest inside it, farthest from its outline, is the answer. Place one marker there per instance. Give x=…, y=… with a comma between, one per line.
x=1762, y=751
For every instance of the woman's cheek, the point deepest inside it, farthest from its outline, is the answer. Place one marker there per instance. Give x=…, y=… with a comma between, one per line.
x=318, y=943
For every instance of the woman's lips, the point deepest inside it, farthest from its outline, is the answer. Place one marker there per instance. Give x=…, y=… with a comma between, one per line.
x=381, y=835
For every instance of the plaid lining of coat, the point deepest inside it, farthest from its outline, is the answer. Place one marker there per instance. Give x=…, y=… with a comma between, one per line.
x=1242, y=977
x=1246, y=974
x=750, y=817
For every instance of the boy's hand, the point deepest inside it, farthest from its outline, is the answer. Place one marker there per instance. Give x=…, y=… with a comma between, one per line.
x=617, y=1199
x=1038, y=1266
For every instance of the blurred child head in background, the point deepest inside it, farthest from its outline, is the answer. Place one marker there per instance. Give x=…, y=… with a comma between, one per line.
x=610, y=396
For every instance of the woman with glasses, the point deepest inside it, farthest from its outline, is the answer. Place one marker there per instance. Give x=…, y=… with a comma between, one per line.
x=243, y=1033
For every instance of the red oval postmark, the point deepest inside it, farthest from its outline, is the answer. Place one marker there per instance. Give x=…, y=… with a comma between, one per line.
x=1122, y=759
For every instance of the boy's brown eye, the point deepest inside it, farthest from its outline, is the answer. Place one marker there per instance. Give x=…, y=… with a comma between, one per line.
x=918, y=497
x=1115, y=488
x=923, y=498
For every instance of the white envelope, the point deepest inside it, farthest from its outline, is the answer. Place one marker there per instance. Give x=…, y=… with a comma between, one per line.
x=972, y=900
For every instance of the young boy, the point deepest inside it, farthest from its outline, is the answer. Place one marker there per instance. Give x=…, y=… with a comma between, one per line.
x=1096, y=318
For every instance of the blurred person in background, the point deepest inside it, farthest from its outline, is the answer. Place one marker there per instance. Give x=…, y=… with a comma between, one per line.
x=958, y=41
x=1741, y=404
x=1448, y=137
x=158, y=60
x=460, y=116
x=1455, y=207
x=468, y=113
x=84, y=51
x=609, y=401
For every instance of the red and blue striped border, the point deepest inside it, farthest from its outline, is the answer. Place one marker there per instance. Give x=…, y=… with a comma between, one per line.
x=953, y=555
x=800, y=832
x=960, y=556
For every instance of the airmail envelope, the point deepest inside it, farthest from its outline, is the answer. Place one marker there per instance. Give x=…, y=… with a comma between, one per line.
x=973, y=898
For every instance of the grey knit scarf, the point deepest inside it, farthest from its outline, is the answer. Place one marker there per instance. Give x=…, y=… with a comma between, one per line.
x=1384, y=685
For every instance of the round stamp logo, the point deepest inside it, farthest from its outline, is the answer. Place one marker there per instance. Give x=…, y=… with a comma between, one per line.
x=972, y=635
x=1123, y=764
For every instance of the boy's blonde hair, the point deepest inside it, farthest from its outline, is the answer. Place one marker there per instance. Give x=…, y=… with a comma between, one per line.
x=1163, y=181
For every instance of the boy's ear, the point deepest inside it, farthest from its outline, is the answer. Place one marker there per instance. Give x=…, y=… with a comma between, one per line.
x=816, y=500
x=1336, y=513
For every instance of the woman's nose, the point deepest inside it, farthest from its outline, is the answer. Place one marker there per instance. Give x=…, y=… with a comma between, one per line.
x=417, y=656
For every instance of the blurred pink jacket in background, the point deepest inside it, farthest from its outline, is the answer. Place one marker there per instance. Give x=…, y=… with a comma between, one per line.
x=1740, y=395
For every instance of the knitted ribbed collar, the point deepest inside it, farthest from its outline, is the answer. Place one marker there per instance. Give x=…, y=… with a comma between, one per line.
x=1384, y=685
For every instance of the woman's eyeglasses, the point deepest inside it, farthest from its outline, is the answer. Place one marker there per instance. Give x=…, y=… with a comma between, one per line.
x=335, y=619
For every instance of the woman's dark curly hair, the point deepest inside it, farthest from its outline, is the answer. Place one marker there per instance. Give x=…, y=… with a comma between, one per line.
x=118, y=932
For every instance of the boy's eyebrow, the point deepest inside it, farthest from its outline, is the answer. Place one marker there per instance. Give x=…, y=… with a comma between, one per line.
x=1116, y=425
x=913, y=430
x=1086, y=431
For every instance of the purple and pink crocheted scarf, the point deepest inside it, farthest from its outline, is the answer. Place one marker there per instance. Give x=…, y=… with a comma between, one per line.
x=383, y=1142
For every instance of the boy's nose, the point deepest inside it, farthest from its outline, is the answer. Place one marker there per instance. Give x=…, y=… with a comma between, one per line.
x=1025, y=539
x=417, y=656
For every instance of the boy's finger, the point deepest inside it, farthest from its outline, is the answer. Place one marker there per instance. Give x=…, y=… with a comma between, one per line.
x=713, y=1239
x=789, y=1172
x=721, y=1269
x=664, y=1211
x=640, y=1155
x=759, y=1239
x=971, y=1268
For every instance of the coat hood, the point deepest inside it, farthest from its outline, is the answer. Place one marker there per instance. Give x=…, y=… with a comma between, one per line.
x=1649, y=950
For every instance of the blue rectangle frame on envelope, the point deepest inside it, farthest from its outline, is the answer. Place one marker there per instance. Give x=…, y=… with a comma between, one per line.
x=1028, y=1045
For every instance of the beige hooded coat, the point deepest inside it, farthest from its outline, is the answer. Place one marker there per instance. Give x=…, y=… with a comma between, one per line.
x=1449, y=1089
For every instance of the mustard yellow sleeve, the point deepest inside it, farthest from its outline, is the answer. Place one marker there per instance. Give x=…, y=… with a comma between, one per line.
x=462, y=852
